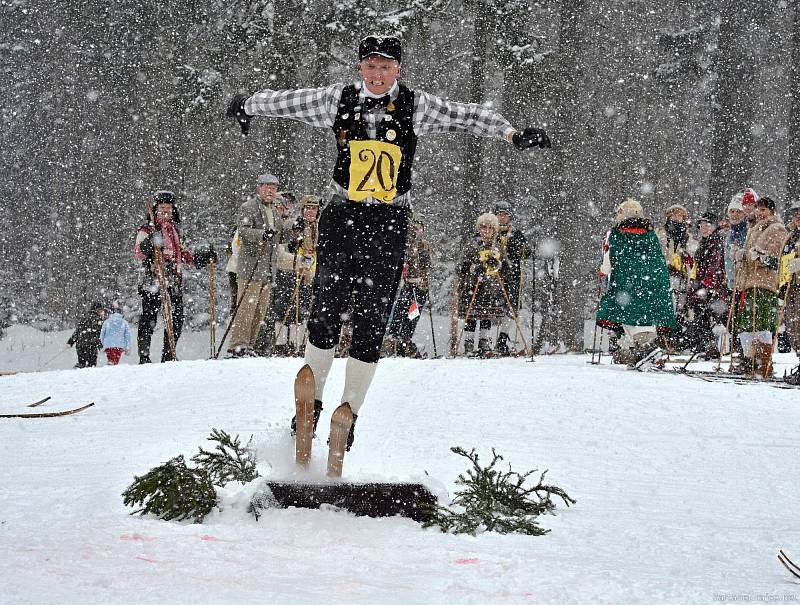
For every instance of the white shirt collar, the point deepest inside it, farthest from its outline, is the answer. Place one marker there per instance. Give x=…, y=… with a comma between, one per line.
x=365, y=92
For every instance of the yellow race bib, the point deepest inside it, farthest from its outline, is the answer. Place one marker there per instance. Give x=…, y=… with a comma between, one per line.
x=784, y=277
x=374, y=166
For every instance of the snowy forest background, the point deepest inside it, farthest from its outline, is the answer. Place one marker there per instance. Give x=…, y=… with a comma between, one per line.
x=104, y=102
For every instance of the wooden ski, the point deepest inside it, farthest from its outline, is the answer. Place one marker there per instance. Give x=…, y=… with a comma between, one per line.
x=304, y=391
x=36, y=403
x=341, y=421
x=790, y=565
x=47, y=414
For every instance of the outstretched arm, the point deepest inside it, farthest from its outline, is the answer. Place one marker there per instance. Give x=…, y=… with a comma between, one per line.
x=434, y=114
x=312, y=106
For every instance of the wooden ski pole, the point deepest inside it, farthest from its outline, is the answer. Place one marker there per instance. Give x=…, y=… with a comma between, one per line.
x=212, y=307
x=241, y=293
x=753, y=337
x=166, y=303
x=514, y=315
x=728, y=328
x=781, y=315
x=519, y=298
x=596, y=326
x=594, y=344
x=469, y=310
x=533, y=295
x=295, y=295
x=430, y=316
x=454, y=318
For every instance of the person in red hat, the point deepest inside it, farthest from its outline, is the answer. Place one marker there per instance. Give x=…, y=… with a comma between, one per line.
x=376, y=121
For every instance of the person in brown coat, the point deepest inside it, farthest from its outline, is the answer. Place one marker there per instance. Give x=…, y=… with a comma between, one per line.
x=480, y=294
x=757, y=304
x=413, y=294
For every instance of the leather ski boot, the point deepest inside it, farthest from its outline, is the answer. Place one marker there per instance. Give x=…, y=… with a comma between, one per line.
x=143, y=344
x=484, y=348
x=469, y=347
x=501, y=348
x=317, y=414
x=763, y=360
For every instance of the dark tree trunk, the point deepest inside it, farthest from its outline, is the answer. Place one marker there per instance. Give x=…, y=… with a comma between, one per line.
x=473, y=148
x=565, y=316
x=793, y=164
x=732, y=107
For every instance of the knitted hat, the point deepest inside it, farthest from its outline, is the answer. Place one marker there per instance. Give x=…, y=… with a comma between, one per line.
x=630, y=208
x=676, y=208
x=736, y=202
x=749, y=196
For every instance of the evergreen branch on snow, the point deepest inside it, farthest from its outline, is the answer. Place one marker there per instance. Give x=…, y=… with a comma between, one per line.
x=172, y=491
x=496, y=500
x=229, y=461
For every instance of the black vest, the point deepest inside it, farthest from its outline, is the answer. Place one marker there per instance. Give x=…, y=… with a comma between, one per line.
x=400, y=130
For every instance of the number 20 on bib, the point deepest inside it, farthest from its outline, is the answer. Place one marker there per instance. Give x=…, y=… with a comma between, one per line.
x=373, y=170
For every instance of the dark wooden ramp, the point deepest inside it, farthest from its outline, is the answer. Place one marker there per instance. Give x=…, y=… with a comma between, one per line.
x=412, y=500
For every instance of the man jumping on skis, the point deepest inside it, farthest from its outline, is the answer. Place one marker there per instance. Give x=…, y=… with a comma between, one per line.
x=362, y=230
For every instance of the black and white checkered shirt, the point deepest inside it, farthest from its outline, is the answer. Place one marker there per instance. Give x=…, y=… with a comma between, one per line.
x=432, y=114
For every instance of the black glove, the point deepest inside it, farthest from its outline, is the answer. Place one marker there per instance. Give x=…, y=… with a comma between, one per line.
x=268, y=234
x=236, y=110
x=492, y=262
x=146, y=247
x=530, y=137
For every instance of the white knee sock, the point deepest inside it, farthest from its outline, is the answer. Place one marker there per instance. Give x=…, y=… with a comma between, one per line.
x=357, y=378
x=746, y=338
x=764, y=336
x=320, y=361
x=280, y=333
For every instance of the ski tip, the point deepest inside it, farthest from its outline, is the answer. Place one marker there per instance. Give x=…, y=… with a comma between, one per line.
x=305, y=371
x=40, y=402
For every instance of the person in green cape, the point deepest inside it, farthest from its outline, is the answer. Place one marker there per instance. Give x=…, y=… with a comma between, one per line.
x=637, y=305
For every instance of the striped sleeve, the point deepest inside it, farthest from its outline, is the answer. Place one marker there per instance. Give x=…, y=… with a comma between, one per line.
x=434, y=114
x=312, y=106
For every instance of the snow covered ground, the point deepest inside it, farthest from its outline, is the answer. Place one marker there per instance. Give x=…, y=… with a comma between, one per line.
x=685, y=489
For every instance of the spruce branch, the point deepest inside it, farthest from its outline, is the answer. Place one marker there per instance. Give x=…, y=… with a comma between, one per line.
x=496, y=500
x=229, y=461
x=172, y=491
